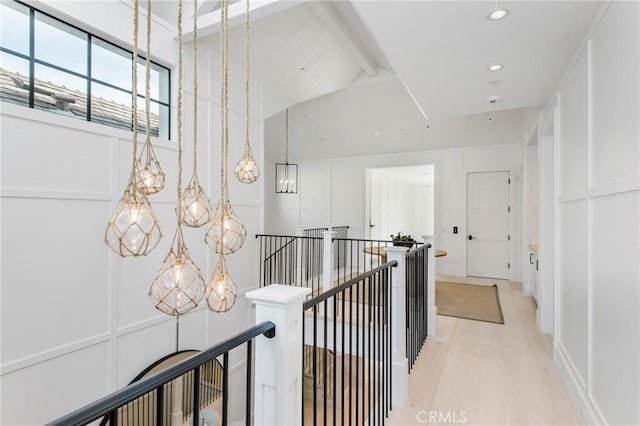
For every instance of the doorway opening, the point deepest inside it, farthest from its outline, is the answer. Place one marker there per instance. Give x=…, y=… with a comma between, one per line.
x=400, y=199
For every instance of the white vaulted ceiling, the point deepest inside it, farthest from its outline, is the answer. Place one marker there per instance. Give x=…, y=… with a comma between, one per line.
x=437, y=52
x=441, y=49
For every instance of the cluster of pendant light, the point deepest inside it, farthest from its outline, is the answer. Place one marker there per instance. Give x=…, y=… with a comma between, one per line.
x=134, y=230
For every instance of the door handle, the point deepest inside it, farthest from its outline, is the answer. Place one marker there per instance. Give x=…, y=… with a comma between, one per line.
x=471, y=237
x=536, y=265
x=530, y=260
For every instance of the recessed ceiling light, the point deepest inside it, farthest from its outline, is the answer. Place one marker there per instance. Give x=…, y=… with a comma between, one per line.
x=495, y=67
x=498, y=14
x=494, y=82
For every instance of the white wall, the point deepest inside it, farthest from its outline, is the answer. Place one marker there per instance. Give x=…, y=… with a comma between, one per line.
x=333, y=191
x=598, y=232
x=76, y=319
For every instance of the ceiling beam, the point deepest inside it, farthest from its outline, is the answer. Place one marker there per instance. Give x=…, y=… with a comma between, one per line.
x=327, y=14
x=209, y=23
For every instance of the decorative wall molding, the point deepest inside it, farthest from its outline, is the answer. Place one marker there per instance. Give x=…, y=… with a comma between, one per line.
x=55, y=194
x=50, y=354
x=588, y=412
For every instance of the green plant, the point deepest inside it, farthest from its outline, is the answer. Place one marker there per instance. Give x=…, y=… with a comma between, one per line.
x=403, y=240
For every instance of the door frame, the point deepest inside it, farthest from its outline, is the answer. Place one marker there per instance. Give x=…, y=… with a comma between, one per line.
x=509, y=220
x=367, y=194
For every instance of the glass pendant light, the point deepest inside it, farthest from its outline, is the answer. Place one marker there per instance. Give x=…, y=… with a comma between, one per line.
x=247, y=170
x=178, y=286
x=150, y=177
x=133, y=229
x=196, y=207
x=221, y=291
x=225, y=233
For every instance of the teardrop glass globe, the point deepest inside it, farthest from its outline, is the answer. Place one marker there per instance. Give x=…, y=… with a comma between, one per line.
x=227, y=224
x=133, y=229
x=247, y=170
x=149, y=177
x=221, y=291
x=178, y=286
x=196, y=207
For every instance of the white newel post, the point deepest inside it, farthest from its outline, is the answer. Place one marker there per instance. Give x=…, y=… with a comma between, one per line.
x=431, y=286
x=278, y=361
x=327, y=260
x=399, y=369
x=299, y=273
x=327, y=267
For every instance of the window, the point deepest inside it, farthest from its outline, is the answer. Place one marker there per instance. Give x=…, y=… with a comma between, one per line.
x=50, y=65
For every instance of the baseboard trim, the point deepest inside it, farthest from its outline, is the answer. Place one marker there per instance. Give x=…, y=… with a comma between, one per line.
x=587, y=410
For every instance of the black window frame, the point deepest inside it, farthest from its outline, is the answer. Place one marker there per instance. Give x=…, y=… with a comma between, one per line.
x=88, y=77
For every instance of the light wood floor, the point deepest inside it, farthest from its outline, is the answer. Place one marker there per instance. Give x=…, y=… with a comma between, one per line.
x=488, y=374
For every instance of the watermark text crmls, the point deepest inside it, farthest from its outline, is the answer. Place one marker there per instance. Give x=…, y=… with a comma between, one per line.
x=441, y=417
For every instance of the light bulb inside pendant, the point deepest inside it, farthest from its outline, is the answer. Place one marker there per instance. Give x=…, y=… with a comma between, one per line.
x=247, y=170
x=196, y=207
x=225, y=233
x=221, y=291
x=133, y=229
x=178, y=286
x=149, y=177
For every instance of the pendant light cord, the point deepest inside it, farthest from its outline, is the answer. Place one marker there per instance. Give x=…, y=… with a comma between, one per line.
x=224, y=131
x=247, y=146
x=147, y=93
x=134, y=94
x=195, y=87
x=179, y=111
x=286, y=138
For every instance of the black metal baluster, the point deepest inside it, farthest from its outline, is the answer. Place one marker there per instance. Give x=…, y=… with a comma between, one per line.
x=315, y=348
x=390, y=335
x=343, y=293
x=305, y=360
x=350, y=350
x=247, y=414
x=113, y=417
x=335, y=354
x=378, y=346
x=225, y=389
x=369, y=331
x=357, y=407
x=196, y=396
x=324, y=365
x=159, y=405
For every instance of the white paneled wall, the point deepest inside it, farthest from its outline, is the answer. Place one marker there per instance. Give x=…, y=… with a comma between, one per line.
x=76, y=321
x=598, y=234
x=333, y=191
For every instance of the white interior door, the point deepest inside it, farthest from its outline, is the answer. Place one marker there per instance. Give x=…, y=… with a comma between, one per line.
x=488, y=224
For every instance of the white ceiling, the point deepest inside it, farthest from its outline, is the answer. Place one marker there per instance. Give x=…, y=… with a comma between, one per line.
x=441, y=49
x=353, y=68
x=381, y=118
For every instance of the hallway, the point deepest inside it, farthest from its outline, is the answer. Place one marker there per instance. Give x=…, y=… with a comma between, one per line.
x=479, y=373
